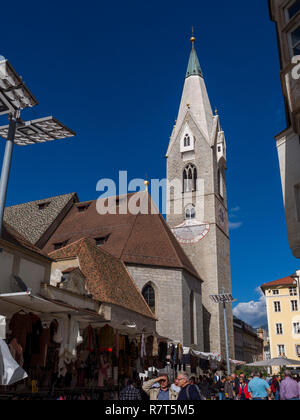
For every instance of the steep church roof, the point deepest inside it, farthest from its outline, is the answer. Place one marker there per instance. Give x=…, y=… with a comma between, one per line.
x=194, y=67
x=35, y=220
x=195, y=102
x=107, y=278
x=12, y=236
x=142, y=239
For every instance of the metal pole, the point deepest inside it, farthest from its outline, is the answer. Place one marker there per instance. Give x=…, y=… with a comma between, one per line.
x=7, y=165
x=226, y=339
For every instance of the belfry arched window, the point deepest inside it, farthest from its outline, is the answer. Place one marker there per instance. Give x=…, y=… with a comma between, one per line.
x=187, y=140
x=190, y=212
x=220, y=183
x=149, y=296
x=189, y=178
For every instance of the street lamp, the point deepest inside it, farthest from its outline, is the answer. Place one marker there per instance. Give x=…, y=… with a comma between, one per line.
x=15, y=96
x=224, y=298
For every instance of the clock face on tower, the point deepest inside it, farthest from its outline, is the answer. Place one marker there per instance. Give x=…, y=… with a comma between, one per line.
x=190, y=231
x=221, y=217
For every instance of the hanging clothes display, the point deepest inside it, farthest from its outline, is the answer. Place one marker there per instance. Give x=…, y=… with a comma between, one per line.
x=155, y=346
x=149, y=346
x=10, y=371
x=59, y=355
x=20, y=326
x=16, y=351
x=162, y=351
x=2, y=327
x=143, y=347
x=106, y=337
x=179, y=353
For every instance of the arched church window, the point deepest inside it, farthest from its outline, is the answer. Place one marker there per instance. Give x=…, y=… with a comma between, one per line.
x=149, y=296
x=187, y=141
x=220, y=184
x=190, y=212
x=195, y=179
x=189, y=178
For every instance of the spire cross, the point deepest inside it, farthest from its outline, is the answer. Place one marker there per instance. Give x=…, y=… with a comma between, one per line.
x=193, y=39
x=146, y=183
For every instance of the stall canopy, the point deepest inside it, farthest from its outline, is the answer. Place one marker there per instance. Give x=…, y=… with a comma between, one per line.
x=277, y=361
x=13, y=302
x=212, y=356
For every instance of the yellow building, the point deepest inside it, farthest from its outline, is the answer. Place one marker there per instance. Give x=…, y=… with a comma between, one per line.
x=283, y=310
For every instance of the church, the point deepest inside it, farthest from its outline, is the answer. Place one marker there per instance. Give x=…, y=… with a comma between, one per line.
x=177, y=263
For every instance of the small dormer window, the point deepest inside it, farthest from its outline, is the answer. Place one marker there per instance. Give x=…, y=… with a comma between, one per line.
x=101, y=241
x=187, y=141
x=43, y=206
x=83, y=208
x=59, y=245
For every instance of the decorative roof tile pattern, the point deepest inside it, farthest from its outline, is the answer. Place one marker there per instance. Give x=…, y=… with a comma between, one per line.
x=12, y=236
x=286, y=281
x=138, y=239
x=33, y=219
x=107, y=278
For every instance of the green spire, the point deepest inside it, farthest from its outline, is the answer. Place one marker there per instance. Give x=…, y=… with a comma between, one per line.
x=194, y=67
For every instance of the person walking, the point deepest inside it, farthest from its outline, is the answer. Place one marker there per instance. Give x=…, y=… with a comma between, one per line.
x=130, y=392
x=192, y=380
x=289, y=388
x=243, y=394
x=275, y=387
x=229, y=389
x=188, y=391
x=161, y=392
x=236, y=383
x=258, y=388
x=220, y=386
x=242, y=376
x=175, y=386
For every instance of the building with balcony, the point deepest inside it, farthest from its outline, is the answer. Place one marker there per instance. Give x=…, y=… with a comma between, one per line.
x=286, y=15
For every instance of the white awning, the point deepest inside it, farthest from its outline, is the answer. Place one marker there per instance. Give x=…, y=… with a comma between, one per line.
x=11, y=303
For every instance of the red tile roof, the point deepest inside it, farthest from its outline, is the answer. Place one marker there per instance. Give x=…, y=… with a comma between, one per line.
x=281, y=282
x=107, y=278
x=138, y=239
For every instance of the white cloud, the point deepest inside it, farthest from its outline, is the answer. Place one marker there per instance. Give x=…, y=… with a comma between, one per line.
x=234, y=225
x=253, y=312
x=233, y=217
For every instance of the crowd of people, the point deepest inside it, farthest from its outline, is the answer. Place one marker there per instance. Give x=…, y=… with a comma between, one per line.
x=233, y=387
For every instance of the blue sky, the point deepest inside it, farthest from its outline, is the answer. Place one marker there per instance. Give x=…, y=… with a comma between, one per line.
x=114, y=73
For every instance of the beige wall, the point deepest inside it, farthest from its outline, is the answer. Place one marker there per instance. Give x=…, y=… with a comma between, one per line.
x=286, y=317
x=59, y=266
x=32, y=271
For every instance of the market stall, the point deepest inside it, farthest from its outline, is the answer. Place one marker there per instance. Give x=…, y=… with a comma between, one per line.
x=73, y=353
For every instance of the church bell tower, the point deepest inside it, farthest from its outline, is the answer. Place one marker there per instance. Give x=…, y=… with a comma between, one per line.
x=198, y=213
